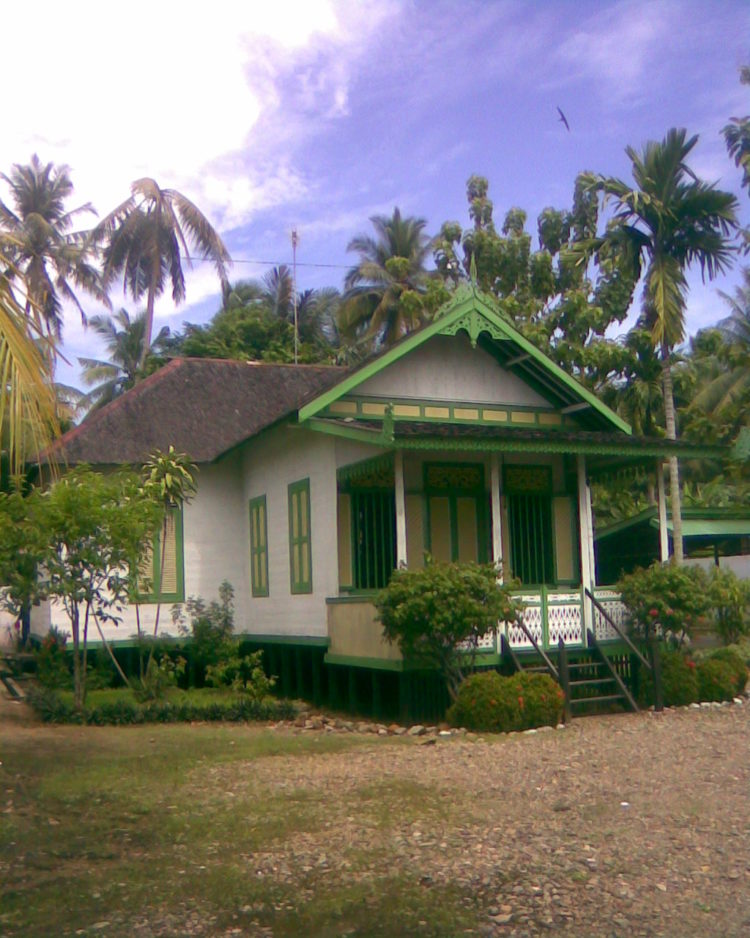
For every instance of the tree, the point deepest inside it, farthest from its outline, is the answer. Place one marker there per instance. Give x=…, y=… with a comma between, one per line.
x=53, y=260
x=256, y=323
x=28, y=408
x=89, y=532
x=112, y=378
x=143, y=241
x=169, y=482
x=550, y=298
x=384, y=290
x=730, y=384
x=438, y=615
x=666, y=223
x=737, y=139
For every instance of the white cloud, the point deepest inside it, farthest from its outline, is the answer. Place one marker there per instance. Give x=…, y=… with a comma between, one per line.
x=619, y=47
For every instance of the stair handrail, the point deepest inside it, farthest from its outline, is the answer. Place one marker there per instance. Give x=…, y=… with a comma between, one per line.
x=547, y=662
x=623, y=635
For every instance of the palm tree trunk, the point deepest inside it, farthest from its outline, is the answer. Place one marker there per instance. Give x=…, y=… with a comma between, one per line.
x=674, y=469
x=148, y=327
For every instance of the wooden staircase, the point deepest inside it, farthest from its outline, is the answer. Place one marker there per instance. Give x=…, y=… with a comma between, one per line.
x=590, y=682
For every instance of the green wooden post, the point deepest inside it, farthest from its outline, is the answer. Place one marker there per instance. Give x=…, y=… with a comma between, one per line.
x=316, y=676
x=655, y=659
x=562, y=667
x=298, y=673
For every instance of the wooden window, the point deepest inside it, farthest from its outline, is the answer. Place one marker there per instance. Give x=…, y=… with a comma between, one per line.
x=528, y=491
x=373, y=538
x=300, y=546
x=456, y=512
x=166, y=580
x=258, y=546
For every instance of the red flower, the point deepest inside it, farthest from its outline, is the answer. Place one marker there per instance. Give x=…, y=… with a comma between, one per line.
x=520, y=702
x=653, y=613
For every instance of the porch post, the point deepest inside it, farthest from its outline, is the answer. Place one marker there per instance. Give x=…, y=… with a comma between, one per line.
x=585, y=527
x=497, y=515
x=661, y=501
x=398, y=473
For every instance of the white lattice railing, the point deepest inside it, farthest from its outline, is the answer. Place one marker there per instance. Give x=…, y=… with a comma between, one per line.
x=555, y=615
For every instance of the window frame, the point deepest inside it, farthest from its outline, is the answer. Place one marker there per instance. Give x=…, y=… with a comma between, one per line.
x=154, y=594
x=259, y=551
x=300, y=488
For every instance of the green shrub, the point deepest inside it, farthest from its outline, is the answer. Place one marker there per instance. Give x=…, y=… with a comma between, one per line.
x=437, y=615
x=666, y=599
x=730, y=598
x=735, y=660
x=716, y=679
x=52, y=661
x=490, y=703
x=117, y=708
x=679, y=680
x=243, y=673
x=161, y=675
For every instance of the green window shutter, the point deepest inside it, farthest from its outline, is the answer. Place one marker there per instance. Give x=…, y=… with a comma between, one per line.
x=258, y=546
x=300, y=547
x=166, y=583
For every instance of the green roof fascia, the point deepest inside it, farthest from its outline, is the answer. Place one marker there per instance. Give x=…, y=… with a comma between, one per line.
x=713, y=527
x=575, y=386
x=627, y=448
x=648, y=515
x=467, y=301
x=347, y=432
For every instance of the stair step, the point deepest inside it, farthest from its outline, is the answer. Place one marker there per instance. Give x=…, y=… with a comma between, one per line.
x=608, y=698
x=593, y=680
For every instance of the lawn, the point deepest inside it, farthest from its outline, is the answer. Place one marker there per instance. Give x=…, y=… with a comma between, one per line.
x=627, y=825
x=137, y=827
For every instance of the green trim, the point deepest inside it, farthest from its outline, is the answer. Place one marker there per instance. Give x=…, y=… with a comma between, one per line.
x=259, y=547
x=299, y=510
x=352, y=596
x=551, y=445
x=376, y=664
x=263, y=639
x=335, y=428
x=497, y=414
x=155, y=596
x=471, y=311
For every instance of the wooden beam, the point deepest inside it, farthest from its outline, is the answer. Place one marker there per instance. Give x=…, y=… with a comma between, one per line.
x=574, y=408
x=400, y=494
x=497, y=516
x=584, y=529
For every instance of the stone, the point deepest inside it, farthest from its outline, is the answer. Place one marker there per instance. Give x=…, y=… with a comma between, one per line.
x=417, y=730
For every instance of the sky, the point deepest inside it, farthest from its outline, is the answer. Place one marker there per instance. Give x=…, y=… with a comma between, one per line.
x=315, y=115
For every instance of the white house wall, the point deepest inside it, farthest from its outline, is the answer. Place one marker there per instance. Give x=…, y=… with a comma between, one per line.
x=215, y=538
x=447, y=368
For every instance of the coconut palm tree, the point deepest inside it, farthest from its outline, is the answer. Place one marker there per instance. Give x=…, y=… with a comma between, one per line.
x=38, y=238
x=144, y=238
x=669, y=221
x=112, y=378
x=28, y=408
x=731, y=380
x=380, y=288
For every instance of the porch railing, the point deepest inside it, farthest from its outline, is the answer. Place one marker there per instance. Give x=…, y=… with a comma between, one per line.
x=553, y=615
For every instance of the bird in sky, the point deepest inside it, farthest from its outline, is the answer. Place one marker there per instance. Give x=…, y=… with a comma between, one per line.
x=563, y=118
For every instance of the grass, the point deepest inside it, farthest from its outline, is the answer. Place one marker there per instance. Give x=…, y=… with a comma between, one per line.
x=182, y=827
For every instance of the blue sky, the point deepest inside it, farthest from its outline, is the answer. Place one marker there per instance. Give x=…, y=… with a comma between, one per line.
x=318, y=114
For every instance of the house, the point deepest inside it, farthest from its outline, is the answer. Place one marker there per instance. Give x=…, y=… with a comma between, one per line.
x=711, y=537
x=463, y=440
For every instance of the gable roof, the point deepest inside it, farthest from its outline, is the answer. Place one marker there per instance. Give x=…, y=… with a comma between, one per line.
x=480, y=317
x=696, y=522
x=201, y=406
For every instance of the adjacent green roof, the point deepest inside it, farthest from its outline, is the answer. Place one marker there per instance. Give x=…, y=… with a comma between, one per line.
x=696, y=522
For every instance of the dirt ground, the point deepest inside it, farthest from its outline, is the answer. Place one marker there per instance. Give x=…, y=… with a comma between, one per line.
x=626, y=825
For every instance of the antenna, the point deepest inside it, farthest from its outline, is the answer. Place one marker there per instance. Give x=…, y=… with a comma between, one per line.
x=295, y=241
